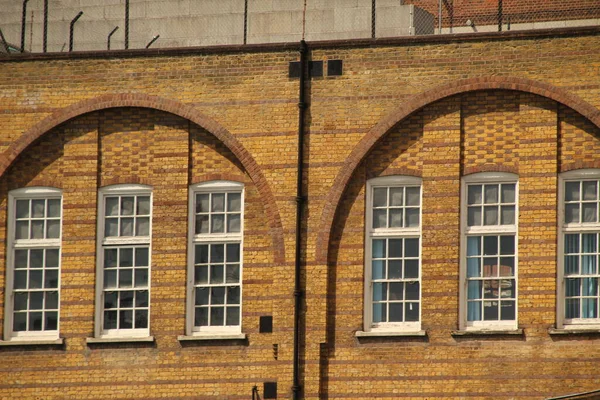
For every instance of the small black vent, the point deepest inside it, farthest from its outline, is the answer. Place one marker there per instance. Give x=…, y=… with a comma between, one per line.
x=334, y=67
x=265, y=324
x=270, y=390
x=315, y=68
x=294, y=69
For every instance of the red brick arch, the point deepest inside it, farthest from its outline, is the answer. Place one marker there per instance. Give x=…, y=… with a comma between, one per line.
x=171, y=106
x=416, y=103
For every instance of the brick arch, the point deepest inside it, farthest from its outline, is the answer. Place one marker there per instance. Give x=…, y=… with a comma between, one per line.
x=171, y=106
x=416, y=103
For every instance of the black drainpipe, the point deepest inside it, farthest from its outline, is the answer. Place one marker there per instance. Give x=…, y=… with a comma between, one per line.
x=23, y=25
x=302, y=106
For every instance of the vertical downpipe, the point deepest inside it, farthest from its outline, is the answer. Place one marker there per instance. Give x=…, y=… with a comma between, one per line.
x=499, y=15
x=72, y=28
x=23, y=25
x=126, y=24
x=302, y=106
x=373, y=16
x=45, y=43
x=245, y=21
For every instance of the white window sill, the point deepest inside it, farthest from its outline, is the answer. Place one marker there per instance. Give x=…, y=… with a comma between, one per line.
x=488, y=332
x=362, y=334
x=212, y=336
x=574, y=331
x=32, y=342
x=133, y=339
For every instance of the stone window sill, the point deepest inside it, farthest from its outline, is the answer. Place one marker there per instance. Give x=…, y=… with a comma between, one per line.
x=33, y=342
x=362, y=334
x=145, y=339
x=213, y=336
x=574, y=331
x=496, y=332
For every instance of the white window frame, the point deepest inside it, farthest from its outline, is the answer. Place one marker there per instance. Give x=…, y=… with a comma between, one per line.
x=103, y=193
x=30, y=193
x=220, y=186
x=483, y=178
x=563, y=229
x=390, y=233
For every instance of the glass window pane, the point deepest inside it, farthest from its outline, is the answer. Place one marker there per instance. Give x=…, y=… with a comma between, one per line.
x=380, y=312
x=508, y=193
x=202, y=296
x=126, y=257
x=507, y=266
x=474, y=311
x=474, y=194
x=572, y=287
x=572, y=243
x=126, y=226
x=201, y=254
x=234, y=202
x=36, y=258
x=589, y=308
x=474, y=216
x=589, y=212
x=379, y=291
x=412, y=291
x=490, y=311
x=20, y=279
x=232, y=273
x=396, y=290
x=218, y=223
x=378, y=248
x=126, y=319
x=491, y=194
x=233, y=223
x=396, y=196
x=202, y=202
x=233, y=295
x=22, y=208
x=35, y=321
x=411, y=247
x=217, y=295
x=36, y=300
x=490, y=215
x=110, y=319
x=490, y=266
x=473, y=267
x=20, y=301
x=51, y=279
x=216, y=274
x=411, y=311
x=141, y=318
x=111, y=227
x=54, y=208
x=141, y=257
x=412, y=217
x=201, y=224
x=507, y=310
x=37, y=229
x=110, y=258
x=590, y=190
x=127, y=205
x=508, y=215
x=110, y=299
x=52, y=258
x=507, y=245
x=20, y=322
x=379, y=218
x=125, y=278
x=218, y=202
x=53, y=229
x=588, y=265
x=50, y=321
x=112, y=206
x=413, y=196
x=233, y=252
x=474, y=290
x=572, y=308
x=141, y=298
x=490, y=289
x=233, y=316
x=37, y=208
x=217, y=253
x=490, y=245
x=201, y=316
x=126, y=299
x=217, y=316
x=142, y=226
x=572, y=213
x=141, y=277
x=590, y=287
x=571, y=191
x=51, y=300
x=201, y=275
x=507, y=288
x=22, y=230
x=35, y=279
x=143, y=205
x=571, y=265
x=379, y=197
x=110, y=278
x=396, y=311
x=20, y=260
x=411, y=269
x=395, y=248
x=588, y=244
x=473, y=245
x=378, y=269
x=394, y=269
x=395, y=215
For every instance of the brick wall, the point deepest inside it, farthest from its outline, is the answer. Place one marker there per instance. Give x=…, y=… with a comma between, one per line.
x=526, y=104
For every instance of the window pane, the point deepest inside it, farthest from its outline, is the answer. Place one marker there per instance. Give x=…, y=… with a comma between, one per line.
x=125, y=278
x=53, y=229
x=217, y=253
x=572, y=308
x=589, y=308
x=126, y=319
x=233, y=252
x=491, y=194
x=37, y=229
x=141, y=277
x=379, y=291
x=572, y=213
x=201, y=224
x=411, y=269
x=590, y=286
x=37, y=208
x=217, y=315
x=20, y=279
x=588, y=244
x=571, y=191
x=507, y=288
x=413, y=196
x=490, y=245
x=126, y=226
x=490, y=289
x=35, y=279
x=473, y=245
x=201, y=254
x=143, y=205
x=490, y=266
x=22, y=230
x=396, y=311
x=35, y=321
x=394, y=269
x=571, y=265
x=202, y=202
x=216, y=274
x=51, y=279
x=490, y=215
x=50, y=321
x=412, y=217
x=20, y=260
x=507, y=310
x=141, y=318
x=590, y=190
x=379, y=197
x=588, y=265
x=474, y=216
x=36, y=300
x=474, y=290
x=572, y=287
x=378, y=248
x=202, y=296
x=126, y=205
x=201, y=317
x=20, y=322
x=233, y=223
x=112, y=206
x=51, y=300
x=217, y=295
x=218, y=223
x=141, y=298
x=395, y=216
x=201, y=275
x=508, y=215
x=379, y=218
x=232, y=273
x=378, y=269
x=589, y=212
x=507, y=245
x=52, y=258
x=474, y=194
x=490, y=310
x=54, y=208
x=126, y=299
x=379, y=312
x=396, y=196
x=142, y=226
x=218, y=202
x=412, y=311
x=110, y=279
x=36, y=258
x=234, y=202
x=412, y=291
x=396, y=290
x=110, y=320
x=22, y=208
x=110, y=299
x=507, y=266
x=20, y=301
x=111, y=227
x=233, y=295
x=233, y=316
x=110, y=258
x=508, y=193
x=411, y=247
x=126, y=257
x=473, y=267
x=395, y=248
x=572, y=243
x=474, y=311
x=141, y=257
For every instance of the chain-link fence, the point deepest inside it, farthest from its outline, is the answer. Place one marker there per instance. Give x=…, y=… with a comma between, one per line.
x=54, y=25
